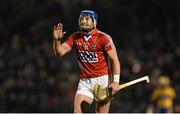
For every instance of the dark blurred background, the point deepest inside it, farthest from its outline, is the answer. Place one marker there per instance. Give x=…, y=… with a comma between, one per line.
x=146, y=34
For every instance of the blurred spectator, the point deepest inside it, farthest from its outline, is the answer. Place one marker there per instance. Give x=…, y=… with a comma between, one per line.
x=162, y=97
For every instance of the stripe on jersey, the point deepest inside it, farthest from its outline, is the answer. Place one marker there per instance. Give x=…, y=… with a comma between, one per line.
x=110, y=39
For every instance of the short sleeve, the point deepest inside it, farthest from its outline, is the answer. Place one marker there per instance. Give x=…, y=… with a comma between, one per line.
x=70, y=40
x=107, y=43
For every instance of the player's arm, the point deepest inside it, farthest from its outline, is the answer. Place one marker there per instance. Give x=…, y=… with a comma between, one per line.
x=152, y=101
x=110, y=49
x=112, y=54
x=59, y=48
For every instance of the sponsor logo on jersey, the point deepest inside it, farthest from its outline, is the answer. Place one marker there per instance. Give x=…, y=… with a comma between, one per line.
x=90, y=57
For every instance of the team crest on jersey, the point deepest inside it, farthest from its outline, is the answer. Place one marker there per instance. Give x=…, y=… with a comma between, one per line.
x=94, y=47
x=90, y=57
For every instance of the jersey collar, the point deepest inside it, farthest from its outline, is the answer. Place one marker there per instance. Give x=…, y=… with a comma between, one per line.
x=88, y=36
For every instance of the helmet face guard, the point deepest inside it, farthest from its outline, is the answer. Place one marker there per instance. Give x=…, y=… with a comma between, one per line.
x=91, y=14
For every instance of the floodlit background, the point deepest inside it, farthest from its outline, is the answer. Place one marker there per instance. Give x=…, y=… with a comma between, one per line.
x=146, y=34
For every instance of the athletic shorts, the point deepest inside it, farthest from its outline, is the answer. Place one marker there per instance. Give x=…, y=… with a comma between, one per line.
x=86, y=85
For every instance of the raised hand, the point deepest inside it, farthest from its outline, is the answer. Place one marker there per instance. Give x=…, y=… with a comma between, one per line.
x=58, y=32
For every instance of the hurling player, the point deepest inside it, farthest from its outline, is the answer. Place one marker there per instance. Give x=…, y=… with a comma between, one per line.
x=95, y=50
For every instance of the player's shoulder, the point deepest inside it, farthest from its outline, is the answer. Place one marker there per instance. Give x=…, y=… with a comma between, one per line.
x=171, y=88
x=103, y=34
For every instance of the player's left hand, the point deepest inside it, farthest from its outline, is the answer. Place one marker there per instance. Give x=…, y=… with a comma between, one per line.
x=115, y=87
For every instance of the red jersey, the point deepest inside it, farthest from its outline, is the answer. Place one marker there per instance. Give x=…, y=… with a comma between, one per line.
x=91, y=52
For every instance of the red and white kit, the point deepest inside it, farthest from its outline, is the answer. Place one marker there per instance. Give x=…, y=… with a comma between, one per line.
x=91, y=52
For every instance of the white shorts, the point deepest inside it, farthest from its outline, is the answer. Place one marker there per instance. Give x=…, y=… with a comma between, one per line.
x=86, y=85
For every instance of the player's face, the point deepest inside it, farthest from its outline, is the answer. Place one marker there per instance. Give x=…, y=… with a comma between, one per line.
x=86, y=23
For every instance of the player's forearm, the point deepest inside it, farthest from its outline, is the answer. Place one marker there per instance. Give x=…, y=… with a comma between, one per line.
x=116, y=70
x=57, y=48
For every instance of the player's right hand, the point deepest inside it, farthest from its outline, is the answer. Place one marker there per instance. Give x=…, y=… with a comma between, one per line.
x=115, y=87
x=58, y=32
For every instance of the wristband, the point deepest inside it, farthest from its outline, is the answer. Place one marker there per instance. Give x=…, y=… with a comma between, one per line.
x=116, y=78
